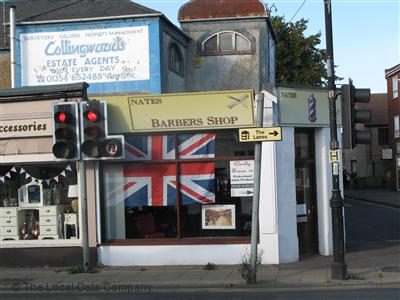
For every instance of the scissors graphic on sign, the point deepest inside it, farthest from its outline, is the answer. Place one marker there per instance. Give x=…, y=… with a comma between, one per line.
x=241, y=100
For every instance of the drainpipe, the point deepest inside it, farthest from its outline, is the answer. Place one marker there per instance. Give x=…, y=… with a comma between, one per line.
x=12, y=47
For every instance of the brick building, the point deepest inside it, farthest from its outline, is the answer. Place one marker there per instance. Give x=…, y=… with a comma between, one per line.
x=392, y=77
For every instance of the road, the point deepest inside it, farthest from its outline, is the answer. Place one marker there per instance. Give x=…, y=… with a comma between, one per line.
x=367, y=293
x=370, y=226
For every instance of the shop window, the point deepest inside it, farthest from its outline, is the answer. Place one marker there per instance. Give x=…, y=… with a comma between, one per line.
x=226, y=42
x=161, y=191
x=175, y=59
x=395, y=85
x=38, y=202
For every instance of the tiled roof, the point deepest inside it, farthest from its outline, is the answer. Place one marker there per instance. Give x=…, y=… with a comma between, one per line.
x=216, y=9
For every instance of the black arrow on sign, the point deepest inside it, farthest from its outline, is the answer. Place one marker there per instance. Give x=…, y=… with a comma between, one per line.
x=275, y=133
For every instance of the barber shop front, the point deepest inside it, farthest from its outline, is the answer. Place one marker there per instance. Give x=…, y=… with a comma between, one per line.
x=173, y=193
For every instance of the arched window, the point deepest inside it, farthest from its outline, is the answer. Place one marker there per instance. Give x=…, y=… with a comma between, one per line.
x=226, y=42
x=175, y=62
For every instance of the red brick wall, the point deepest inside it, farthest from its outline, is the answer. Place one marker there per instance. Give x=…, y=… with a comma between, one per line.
x=393, y=109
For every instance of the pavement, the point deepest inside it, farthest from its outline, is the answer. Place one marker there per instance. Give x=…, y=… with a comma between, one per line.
x=371, y=267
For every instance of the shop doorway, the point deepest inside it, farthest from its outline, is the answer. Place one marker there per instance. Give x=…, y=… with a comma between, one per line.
x=306, y=209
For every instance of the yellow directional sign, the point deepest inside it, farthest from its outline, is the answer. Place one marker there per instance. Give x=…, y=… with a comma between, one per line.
x=334, y=156
x=267, y=134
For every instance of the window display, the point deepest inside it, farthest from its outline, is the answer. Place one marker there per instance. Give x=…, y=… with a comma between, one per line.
x=34, y=201
x=176, y=186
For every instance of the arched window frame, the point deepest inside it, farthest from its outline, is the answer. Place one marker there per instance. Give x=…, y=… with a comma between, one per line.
x=175, y=59
x=218, y=50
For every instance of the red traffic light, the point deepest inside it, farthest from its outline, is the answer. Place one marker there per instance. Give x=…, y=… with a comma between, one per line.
x=91, y=116
x=61, y=117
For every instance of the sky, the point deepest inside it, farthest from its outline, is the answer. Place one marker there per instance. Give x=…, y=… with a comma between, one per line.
x=366, y=34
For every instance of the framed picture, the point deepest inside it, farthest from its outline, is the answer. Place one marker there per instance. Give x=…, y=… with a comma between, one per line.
x=218, y=217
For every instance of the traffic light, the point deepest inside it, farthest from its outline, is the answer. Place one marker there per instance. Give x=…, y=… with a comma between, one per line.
x=66, y=131
x=96, y=143
x=351, y=116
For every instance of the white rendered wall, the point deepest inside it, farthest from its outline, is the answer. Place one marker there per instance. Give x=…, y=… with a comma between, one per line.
x=268, y=245
x=323, y=172
x=286, y=195
x=171, y=255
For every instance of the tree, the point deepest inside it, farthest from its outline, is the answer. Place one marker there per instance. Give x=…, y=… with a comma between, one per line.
x=298, y=60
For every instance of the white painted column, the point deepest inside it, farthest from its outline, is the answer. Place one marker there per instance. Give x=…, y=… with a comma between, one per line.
x=278, y=226
x=324, y=188
x=268, y=206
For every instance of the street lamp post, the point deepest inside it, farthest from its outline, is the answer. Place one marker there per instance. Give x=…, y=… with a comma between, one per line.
x=338, y=268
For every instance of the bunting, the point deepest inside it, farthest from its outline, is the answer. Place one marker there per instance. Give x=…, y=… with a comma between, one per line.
x=21, y=171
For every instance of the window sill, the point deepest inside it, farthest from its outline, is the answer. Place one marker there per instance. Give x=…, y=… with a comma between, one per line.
x=175, y=241
x=40, y=243
x=226, y=53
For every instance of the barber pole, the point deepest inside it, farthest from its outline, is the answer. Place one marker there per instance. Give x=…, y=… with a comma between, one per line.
x=312, y=108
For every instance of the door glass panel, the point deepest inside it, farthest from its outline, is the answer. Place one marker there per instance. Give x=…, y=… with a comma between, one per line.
x=302, y=145
x=305, y=192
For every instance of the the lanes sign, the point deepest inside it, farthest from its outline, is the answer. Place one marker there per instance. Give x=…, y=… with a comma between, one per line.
x=263, y=134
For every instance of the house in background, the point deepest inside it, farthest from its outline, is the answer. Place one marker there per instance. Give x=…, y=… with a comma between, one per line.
x=372, y=160
x=393, y=102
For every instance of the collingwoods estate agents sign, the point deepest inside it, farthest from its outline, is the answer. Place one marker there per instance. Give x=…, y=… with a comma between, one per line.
x=95, y=55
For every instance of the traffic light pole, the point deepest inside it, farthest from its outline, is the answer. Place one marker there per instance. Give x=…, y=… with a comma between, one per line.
x=338, y=268
x=85, y=235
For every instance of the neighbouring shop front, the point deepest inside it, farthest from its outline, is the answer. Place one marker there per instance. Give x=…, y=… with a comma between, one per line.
x=39, y=196
x=306, y=110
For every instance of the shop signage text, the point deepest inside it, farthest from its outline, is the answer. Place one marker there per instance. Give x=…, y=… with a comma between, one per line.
x=242, y=178
x=267, y=134
x=185, y=111
x=305, y=107
x=25, y=128
x=387, y=153
x=95, y=55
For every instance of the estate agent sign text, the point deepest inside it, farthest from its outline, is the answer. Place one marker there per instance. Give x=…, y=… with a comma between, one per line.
x=93, y=55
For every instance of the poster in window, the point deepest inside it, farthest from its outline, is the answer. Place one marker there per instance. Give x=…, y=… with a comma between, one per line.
x=242, y=178
x=218, y=217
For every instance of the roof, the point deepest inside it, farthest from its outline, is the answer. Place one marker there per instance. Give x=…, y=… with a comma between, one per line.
x=220, y=9
x=51, y=10
x=392, y=70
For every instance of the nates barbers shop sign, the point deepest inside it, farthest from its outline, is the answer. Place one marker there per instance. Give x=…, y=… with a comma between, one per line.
x=183, y=111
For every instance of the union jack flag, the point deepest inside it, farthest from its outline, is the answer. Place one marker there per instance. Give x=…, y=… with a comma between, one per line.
x=139, y=148
x=155, y=184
